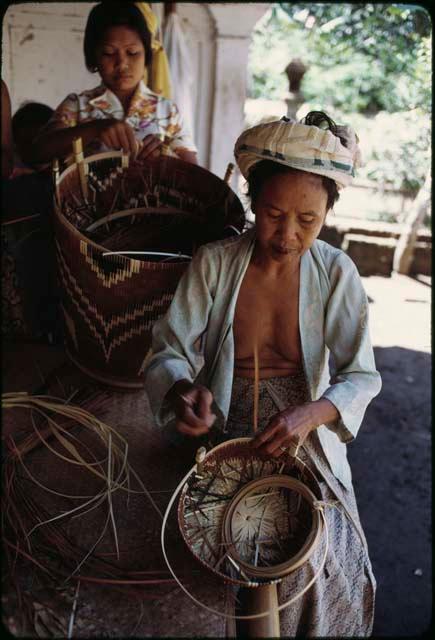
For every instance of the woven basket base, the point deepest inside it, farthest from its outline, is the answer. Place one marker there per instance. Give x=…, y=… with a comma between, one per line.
x=111, y=381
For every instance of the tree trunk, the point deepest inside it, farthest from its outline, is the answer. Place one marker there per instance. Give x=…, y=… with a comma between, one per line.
x=404, y=251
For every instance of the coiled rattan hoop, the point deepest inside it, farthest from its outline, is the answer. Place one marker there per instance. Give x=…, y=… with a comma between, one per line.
x=215, y=457
x=249, y=494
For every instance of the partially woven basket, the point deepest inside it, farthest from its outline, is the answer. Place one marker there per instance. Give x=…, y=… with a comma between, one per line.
x=105, y=212
x=219, y=508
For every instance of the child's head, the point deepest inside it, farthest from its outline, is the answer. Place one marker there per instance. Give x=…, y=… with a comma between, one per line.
x=27, y=121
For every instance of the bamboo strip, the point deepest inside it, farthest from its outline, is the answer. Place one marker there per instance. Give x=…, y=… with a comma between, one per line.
x=256, y=385
x=17, y=220
x=81, y=166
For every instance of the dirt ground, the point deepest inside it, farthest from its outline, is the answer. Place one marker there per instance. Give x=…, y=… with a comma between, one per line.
x=390, y=459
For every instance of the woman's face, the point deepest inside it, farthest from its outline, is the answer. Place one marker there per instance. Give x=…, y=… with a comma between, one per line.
x=290, y=210
x=121, y=60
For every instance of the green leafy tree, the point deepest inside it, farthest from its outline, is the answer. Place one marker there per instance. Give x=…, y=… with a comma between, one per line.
x=362, y=57
x=369, y=65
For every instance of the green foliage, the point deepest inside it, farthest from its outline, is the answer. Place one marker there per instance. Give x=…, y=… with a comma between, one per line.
x=362, y=57
x=345, y=86
x=397, y=150
x=269, y=55
x=369, y=66
x=395, y=147
x=385, y=32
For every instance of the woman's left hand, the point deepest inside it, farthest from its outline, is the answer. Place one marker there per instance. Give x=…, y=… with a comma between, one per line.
x=293, y=425
x=285, y=428
x=150, y=148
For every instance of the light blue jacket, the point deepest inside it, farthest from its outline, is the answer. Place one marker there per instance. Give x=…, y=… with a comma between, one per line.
x=333, y=319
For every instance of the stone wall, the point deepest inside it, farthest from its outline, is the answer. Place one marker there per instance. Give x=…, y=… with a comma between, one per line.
x=371, y=245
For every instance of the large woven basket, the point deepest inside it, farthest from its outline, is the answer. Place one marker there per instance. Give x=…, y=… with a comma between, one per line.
x=165, y=210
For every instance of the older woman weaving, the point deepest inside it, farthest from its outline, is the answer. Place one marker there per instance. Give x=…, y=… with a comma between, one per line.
x=294, y=300
x=122, y=112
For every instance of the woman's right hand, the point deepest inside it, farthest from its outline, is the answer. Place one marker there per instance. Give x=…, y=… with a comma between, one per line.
x=117, y=134
x=192, y=405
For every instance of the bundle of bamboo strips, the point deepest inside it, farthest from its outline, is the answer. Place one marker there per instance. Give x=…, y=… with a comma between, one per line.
x=52, y=552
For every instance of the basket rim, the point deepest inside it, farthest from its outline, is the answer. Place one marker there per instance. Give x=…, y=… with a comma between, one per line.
x=123, y=213
x=284, y=568
x=73, y=167
x=253, y=581
x=63, y=221
x=104, y=155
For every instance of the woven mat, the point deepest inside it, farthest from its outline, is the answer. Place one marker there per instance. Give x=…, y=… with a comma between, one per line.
x=103, y=611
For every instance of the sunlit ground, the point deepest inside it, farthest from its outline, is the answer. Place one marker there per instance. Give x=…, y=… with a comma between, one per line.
x=400, y=311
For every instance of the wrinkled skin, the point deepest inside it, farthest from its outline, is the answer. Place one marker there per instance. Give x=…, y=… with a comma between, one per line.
x=290, y=210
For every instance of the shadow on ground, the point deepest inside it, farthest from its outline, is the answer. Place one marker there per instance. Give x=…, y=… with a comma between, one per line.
x=391, y=465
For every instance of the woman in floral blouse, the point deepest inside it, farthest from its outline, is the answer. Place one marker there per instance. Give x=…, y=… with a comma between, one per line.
x=122, y=112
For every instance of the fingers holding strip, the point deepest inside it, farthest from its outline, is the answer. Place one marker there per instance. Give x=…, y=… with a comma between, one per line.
x=150, y=145
x=182, y=427
x=267, y=436
x=195, y=418
x=275, y=441
x=190, y=417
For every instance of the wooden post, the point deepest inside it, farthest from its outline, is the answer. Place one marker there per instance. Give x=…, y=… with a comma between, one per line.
x=170, y=7
x=256, y=600
x=56, y=170
x=79, y=159
x=404, y=251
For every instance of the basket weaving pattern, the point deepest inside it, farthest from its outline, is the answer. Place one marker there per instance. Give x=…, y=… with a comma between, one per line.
x=220, y=529
x=166, y=210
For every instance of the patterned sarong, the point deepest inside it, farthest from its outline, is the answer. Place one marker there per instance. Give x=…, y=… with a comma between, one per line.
x=341, y=601
x=13, y=316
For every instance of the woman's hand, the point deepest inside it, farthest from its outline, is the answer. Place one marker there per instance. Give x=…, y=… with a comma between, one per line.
x=285, y=428
x=293, y=425
x=192, y=404
x=151, y=147
x=114, y=134
x=117, y=134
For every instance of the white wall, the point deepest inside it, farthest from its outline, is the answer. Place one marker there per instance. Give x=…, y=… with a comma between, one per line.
x=234, y=23
x=200, y=32
x=42, y=51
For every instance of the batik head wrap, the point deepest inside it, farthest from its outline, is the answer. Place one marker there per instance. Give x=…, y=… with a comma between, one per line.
x=300, y=146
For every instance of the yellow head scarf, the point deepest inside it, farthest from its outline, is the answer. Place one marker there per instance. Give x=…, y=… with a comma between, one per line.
x=159, y=78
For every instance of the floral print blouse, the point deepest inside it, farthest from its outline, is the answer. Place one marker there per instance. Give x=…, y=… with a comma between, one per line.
x=149, y=113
